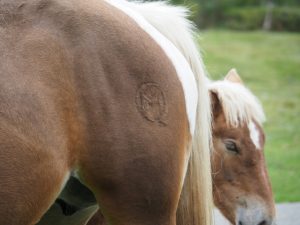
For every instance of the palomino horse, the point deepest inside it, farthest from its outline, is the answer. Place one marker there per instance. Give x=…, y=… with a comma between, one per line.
x=241, y=186
x=242, y=190
x=90, y=89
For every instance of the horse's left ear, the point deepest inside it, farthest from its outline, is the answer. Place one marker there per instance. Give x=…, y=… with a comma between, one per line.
x=216, y=105
x=233, y=76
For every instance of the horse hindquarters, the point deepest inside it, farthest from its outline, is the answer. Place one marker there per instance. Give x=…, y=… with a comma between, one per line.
x=30, y=179
x=137, y=179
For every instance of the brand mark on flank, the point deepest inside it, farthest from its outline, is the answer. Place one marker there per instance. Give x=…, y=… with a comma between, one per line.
x=151, y=102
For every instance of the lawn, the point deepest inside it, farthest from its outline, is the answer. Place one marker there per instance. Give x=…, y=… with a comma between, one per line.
x=269, y=64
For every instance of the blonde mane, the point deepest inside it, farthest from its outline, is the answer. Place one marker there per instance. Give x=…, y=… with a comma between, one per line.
x=195, y=206
x=238, y=103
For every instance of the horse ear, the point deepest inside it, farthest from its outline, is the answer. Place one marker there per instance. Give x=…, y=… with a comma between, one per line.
x=216, y=105
x=233, y=76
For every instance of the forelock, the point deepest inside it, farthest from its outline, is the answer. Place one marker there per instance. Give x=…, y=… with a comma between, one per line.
x=238, y=103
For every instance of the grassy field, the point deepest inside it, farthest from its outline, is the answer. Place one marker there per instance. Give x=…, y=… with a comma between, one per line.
x=269, y=64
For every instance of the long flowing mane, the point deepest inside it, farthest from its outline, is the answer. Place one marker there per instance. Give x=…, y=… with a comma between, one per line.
x=238, y=103
x=172, y=22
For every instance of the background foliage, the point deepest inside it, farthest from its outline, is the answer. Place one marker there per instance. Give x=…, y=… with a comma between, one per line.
x=245, y=14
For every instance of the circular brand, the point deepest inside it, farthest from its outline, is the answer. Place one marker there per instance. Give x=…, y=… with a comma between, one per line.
x=151, y=102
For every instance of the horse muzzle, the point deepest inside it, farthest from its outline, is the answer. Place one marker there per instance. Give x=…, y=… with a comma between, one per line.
x=254, y=213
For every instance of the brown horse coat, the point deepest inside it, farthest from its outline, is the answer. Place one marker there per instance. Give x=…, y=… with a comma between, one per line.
x=79, y=91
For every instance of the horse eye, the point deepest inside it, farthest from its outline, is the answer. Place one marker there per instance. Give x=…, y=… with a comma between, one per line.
x=231, y=146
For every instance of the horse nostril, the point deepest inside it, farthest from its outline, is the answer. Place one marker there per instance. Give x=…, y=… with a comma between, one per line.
x=263, y=223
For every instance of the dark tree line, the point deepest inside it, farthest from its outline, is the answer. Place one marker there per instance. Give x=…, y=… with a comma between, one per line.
x=245, y=14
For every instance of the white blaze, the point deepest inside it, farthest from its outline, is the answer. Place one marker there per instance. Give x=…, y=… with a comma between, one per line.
x=254, y=134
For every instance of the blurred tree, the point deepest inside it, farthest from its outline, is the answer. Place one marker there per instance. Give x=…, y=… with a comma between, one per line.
x=245, y=14
x=267, y=25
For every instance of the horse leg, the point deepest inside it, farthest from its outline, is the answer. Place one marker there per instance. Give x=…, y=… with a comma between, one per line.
x=136, y=186
x=30, y=179
x=97, y=219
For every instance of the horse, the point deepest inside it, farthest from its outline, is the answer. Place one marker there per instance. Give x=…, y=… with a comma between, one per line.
x=90, y=89
x=241, y=187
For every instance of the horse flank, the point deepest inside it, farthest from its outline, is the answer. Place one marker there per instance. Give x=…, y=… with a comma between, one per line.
x=171, y=21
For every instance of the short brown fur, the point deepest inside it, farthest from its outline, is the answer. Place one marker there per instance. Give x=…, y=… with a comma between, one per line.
x=68, y=85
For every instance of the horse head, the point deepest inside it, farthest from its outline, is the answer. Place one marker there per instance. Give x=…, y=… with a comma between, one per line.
x=241, y=186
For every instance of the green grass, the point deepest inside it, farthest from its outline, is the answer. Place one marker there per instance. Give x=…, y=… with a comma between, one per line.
x=269, y=64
